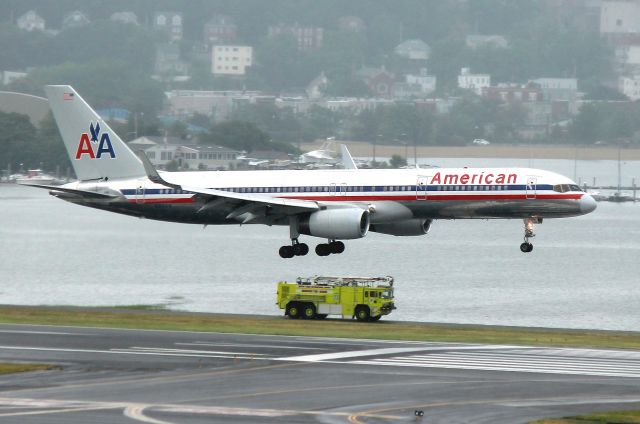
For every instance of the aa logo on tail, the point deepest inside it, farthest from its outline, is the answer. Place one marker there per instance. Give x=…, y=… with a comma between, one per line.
x=103, y=142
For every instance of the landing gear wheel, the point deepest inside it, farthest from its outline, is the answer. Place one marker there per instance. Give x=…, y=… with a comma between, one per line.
x=362, y=313
x=293, y=310
x=336, y=247
x=300, y=249
x=323, y=250
x=374, y=319
x=308, y=311
x=286, y=252
x=526, y=247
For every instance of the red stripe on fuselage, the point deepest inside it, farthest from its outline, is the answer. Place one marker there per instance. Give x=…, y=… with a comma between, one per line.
x=164, y=201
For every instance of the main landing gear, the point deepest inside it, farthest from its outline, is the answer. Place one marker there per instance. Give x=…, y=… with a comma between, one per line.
x=301, y=249
x=529, y=227
x=325, y=249
x=296, y=249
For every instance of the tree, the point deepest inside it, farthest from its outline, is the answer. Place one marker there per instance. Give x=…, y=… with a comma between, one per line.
x=397, y=161
x=237, y=135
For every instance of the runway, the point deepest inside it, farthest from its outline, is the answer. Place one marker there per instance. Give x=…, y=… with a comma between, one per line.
x=124, y=376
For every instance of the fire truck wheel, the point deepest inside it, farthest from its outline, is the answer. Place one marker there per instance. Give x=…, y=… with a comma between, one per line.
x=308, y=311
x=362, y=313
x=293, y=310
x=321, y=316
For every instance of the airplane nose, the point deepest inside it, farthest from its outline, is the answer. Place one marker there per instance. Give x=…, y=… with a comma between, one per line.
x=587, y=204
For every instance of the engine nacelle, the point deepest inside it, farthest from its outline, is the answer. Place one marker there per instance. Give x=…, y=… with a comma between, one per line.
x=339, y=224
x=408, y=227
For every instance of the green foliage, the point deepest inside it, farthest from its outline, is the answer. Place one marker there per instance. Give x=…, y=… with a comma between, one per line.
x=239, y=135
x=397, y=161
x=610, y=122
x=101, y=82
x=22, y=143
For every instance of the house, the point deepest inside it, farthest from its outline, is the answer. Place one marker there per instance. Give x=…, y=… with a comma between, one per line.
x=125, y=17
x=7, y=77
x=351, y=23
x=31, y=21
x=379, y=80
x=170, y=23
x=475, y=41
x=307, y=37
x=75, y=19
x=473, y=82
x=220, y=29
x=514, y=93
x=630, y=86
x=558, y=88
x=315, y=89
x=413, y=49
x=168, y=61
x=163, y=150
x=426, y=82
x=216, y=104
x=619, y=17
x=231, y=60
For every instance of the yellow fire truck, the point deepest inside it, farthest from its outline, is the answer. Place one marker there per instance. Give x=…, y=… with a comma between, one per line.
x=365, y=298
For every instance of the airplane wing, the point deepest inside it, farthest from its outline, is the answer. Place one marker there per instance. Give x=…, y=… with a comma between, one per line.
x=80, y=193
x=244, y=207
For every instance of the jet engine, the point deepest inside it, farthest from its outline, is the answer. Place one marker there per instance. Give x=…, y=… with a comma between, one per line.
x=408, y=227
x=336, y=224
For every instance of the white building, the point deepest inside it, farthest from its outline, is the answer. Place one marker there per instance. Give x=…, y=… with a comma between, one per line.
x=75, y=19
x=426, y=82
x=31, y=21
x=9, y=76
x=630, y=86
x=473, y=82
x=231, y=60
x=169, y=22
x=163, y=150
x=475, y=41
x=125, y=17
x=413, y=49
x=620, y=17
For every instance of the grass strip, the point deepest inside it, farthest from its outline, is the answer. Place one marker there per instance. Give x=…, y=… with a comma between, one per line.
x=279, y=325
x=13, y=368
x=613, y=417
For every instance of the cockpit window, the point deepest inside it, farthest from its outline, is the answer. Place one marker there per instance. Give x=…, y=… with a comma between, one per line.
x=563, y=188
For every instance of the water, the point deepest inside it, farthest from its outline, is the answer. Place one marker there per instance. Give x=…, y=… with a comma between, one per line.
x=583, y=272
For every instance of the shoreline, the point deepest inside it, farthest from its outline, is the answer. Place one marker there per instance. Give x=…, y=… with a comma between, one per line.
x=534, y=151
x=143, y=318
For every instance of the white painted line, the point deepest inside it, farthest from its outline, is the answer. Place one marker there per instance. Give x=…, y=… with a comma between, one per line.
x=249, y=345
x=53, y=333
x=351, y=354
x=211, y=352
x=135, y=412
x=126, y=352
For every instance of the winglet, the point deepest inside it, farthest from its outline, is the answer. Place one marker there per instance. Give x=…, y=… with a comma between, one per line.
x=151, y=171
x=347, y=160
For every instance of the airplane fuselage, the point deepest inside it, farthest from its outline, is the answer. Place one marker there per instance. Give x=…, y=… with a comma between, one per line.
x=391, y=195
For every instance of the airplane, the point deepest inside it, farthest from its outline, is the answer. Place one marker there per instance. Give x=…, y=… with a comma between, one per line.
x=333, y=204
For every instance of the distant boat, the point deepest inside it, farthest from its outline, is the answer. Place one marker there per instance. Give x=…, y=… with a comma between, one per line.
x=620, y=197
x=597, y=196
x=37, y=176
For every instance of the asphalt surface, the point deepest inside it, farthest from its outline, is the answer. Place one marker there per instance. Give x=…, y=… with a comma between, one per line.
x=124, y=376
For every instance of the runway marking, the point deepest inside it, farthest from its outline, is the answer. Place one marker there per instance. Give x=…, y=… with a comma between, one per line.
x=53, y=333
x=350, y=354
x=189, y=351
x=248, y=345
x=131, y=351
x=386, y=351
x=135, y=412
x=571, y=362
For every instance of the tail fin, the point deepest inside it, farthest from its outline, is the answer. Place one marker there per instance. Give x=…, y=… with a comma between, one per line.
x=95, y=150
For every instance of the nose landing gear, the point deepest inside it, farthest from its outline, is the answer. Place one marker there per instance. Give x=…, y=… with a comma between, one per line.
x=529, y=227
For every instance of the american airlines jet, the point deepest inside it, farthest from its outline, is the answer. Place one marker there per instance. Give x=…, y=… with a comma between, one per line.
x=334, y=205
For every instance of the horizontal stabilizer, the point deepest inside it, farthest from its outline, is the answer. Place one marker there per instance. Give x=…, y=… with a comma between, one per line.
x=81, y=193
